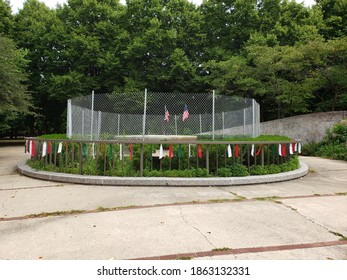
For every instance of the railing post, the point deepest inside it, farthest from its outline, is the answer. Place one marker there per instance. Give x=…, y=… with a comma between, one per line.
x=208, y=158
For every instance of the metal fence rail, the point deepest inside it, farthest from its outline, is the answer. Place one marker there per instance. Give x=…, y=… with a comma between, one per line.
x=136, y=157
x=106, y=116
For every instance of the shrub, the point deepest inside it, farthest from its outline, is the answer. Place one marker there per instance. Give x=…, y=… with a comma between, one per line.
x=334, y=144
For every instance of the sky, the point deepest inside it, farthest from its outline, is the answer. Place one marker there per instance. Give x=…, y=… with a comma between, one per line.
x=18, y=4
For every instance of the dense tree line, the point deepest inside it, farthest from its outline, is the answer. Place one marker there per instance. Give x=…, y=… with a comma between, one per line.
x=292, y=59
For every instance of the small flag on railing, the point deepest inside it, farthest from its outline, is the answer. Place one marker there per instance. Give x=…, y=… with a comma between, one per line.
x=279, y=149
x=166, y=114
x=170, y=151
x=230, y=153
x=259, y=150
x=110, y=152
x=185, y=114
x=179, y=152
x=93, y=150
x=84, y=150
x=44, y=148
x=48, y=147
x=161, y=151
x=26, y=146
x=60, y=147
x=131, y=151
x=199, y=151
x=252, y=151
x=299, y=148
x=284, y=150
x=291, y=148
x=120, y=151
x=236, y=151
x=32, y=152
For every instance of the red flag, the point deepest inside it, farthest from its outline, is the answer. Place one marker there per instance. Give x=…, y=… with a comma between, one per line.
x=259, y=150
x=199, y=151
x=32, y=148
x=166, y=115
x=170, y=151
x=237, y=151
x=185, y=113
x=284, y=150
x=131, y=151
x=49, y=148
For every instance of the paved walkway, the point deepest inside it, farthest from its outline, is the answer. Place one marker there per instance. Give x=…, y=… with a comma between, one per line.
x=299, y=219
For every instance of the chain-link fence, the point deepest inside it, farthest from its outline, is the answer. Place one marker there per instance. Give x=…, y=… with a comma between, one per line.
x=144, y=114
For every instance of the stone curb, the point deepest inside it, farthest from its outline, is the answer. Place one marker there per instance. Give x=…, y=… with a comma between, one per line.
x=26, y=170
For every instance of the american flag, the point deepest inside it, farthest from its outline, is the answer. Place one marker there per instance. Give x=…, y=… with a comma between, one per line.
x=185, y=113
x=166, y=115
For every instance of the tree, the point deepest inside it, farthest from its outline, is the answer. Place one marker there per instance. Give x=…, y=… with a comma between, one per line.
x=329, y=71
x=6, y=18
x=227, y=25
x=15, y=100
x=335, y=17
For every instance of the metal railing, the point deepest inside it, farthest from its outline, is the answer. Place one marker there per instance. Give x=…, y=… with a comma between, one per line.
x=131, y=157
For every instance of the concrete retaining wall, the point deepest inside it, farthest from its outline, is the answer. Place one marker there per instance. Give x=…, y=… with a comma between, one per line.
x=308, y=128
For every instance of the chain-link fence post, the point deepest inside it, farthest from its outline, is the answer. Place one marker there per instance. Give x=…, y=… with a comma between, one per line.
x=144, y=116
x=253, y=118
x=92, y=117
x=213, y=107
x=69, y=120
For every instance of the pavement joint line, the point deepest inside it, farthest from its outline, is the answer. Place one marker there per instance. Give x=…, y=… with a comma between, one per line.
x=247, y=250
x=135, y=207
x=314, y=222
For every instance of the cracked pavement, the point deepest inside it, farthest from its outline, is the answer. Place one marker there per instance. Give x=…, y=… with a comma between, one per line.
x=300, y=219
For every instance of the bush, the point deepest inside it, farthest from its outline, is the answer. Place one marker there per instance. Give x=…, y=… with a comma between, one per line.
x=333, y=146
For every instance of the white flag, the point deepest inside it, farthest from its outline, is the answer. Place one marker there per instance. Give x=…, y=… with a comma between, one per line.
x=296, y=147
x=252, y=151
x=230, y=153
x=93, y=150
x=120, y=152
x=44, y=148
x=60, y=147
x=280, y=149
x=291, y=149
x=30, y=147
x=161, y=151
x=299, y=148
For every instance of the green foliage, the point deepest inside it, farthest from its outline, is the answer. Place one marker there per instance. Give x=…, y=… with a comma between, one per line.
x=332, y=146
x=290, y=58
